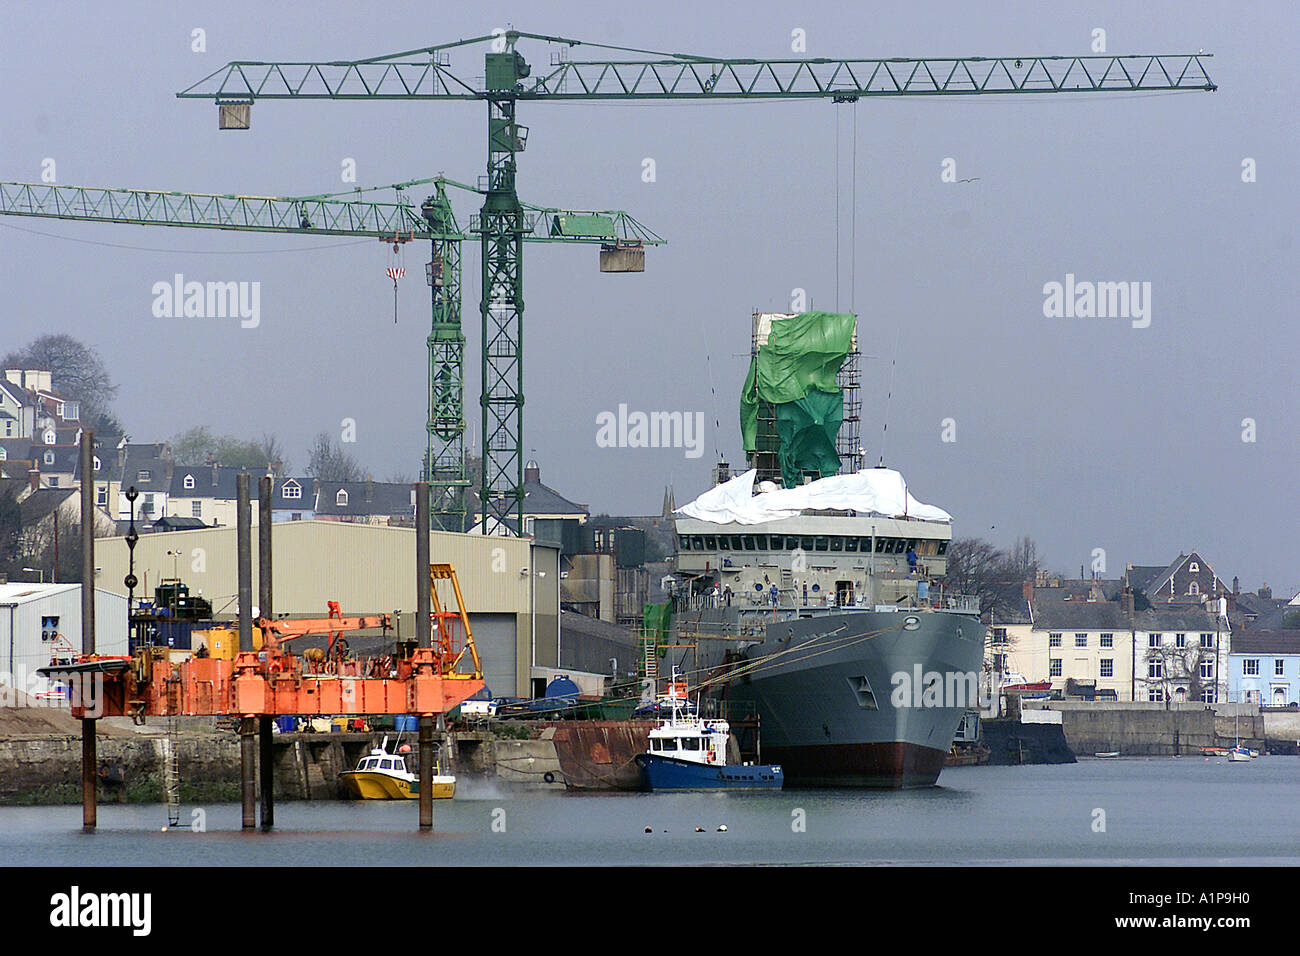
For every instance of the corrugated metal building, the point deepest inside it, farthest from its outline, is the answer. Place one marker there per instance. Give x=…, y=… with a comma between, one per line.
x=510, y=585
x=32, y=615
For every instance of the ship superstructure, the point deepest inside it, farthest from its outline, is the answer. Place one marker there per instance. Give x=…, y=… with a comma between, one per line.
x=819, y=609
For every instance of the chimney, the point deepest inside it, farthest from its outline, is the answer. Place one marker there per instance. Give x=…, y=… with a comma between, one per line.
x=1027, y=591
x=34, y=479
x=1126, y=602
x=214, y=474
x=370, y=490
x=14, y=376
x=1236, y=585
x=532, y=471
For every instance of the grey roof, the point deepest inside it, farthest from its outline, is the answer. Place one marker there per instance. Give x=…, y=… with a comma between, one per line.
x=1274, y=619
x=178, y=523
x=375, y=498
x=539, y=499
x=153, y=458
x=65, y=458
x=1053, y=614
x=42, y=503
x=1266, y=642
x=574, y=624
x=17, y=448
x=225, y=486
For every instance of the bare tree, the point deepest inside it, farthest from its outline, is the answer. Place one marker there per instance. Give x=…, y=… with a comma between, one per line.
x=78, y=373
x=328, y=462
x=1178, y=672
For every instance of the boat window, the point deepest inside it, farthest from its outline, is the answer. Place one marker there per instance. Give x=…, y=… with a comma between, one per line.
x=851, y=545
x=710, y=543
x=806, y=543
x=791, y=543
x=697, y=542
x=760, y=542
x=837, y=543
x=749, y=542
x=691, y=743
x=820, y=544
x=685, y=543
x=943, y=547
x=367, y=764
x=668, y=743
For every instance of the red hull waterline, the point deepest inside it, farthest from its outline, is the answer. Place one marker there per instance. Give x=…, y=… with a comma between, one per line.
x=892, y=766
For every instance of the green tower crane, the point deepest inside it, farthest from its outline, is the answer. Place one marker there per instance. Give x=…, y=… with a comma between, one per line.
x=426, y=74
x=344, y=214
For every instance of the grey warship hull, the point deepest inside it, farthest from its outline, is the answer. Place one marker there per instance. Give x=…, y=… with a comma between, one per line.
x=855, y=698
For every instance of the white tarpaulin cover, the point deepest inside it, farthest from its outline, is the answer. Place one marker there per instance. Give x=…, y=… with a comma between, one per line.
x=878, y=491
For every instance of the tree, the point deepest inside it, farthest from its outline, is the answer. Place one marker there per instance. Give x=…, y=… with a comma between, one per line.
x=1177, y=671
x=198, y=446
x=11, y=534
x=328, y=462
x=78, y=373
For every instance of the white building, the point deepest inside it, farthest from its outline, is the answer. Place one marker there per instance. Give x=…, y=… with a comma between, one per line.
x=33, y=616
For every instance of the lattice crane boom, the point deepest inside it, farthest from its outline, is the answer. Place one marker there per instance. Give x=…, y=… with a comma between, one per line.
x=427, y=74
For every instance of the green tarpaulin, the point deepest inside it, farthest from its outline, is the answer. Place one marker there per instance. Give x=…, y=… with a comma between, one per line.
x=795, y=372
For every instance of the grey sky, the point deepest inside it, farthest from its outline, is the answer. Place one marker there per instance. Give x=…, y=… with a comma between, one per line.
x=1084, y=433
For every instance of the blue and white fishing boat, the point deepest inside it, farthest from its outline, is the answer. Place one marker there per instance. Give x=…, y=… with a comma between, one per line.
x=688, y=752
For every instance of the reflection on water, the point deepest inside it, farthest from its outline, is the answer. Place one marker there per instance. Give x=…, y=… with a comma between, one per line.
x=1158, y=810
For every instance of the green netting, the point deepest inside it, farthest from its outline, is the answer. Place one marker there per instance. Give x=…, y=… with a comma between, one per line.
x=795, y=371
x=807, y=429
x=655, y=620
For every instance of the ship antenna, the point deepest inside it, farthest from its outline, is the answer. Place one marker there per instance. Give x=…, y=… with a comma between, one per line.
x=893, y=368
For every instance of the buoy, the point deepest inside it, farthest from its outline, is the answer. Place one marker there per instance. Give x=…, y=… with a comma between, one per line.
x=699, y=829
x=722, y=828
x=649, y=830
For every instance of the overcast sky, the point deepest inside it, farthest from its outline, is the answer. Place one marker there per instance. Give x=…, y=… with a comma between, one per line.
x=1084, y=433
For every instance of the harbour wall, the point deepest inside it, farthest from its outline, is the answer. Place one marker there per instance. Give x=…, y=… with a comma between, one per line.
x=1159, y=729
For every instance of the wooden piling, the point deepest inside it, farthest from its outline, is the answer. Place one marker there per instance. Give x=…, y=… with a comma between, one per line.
x=89, y=761
x=266, y=764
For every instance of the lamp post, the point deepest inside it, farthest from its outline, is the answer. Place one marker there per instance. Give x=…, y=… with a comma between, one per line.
x=40, y=571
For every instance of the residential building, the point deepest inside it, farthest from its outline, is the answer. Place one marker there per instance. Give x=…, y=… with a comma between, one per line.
x=148, y=469
x=210, y=494
x=1264, y=668
x=365, y=502
x=1188, y=579
x=1090, y=646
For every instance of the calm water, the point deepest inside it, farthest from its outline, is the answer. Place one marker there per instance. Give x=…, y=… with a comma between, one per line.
x=1160, y=810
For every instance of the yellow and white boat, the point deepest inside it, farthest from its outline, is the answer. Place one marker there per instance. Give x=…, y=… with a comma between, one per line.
x=383, y=776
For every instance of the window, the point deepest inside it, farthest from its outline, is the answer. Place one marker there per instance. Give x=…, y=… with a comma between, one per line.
x=341, y=499
x=710, y=543
x=1155, y=669
x=97, y=463
x=1053, y=640
x=1054, y=667
x=1207, y=669
x=143, y=475
x=50, y=436
x=748, y=542
x=1279, y=667
x=189, y=482
x=49, y=628
x=821, y=544
x=697, y=542
x=1193, y=588
x=837, y=543
x=148, y=504
x=1208, y=696
x=690, y=743
x=196, y=509
x=1207, y=640
x=851, y=545
x=1250, y=667
x=101, y=496
x=1180, y=640
x=683, y=542
x=1193, y=567
x=293, y=490
x=296, y=516
x=54, y=481
x=1108, y=640
x=1154, y=640
x=1081, y=640
x=1107, y=667
x=1155, y=694
x=49, y=458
